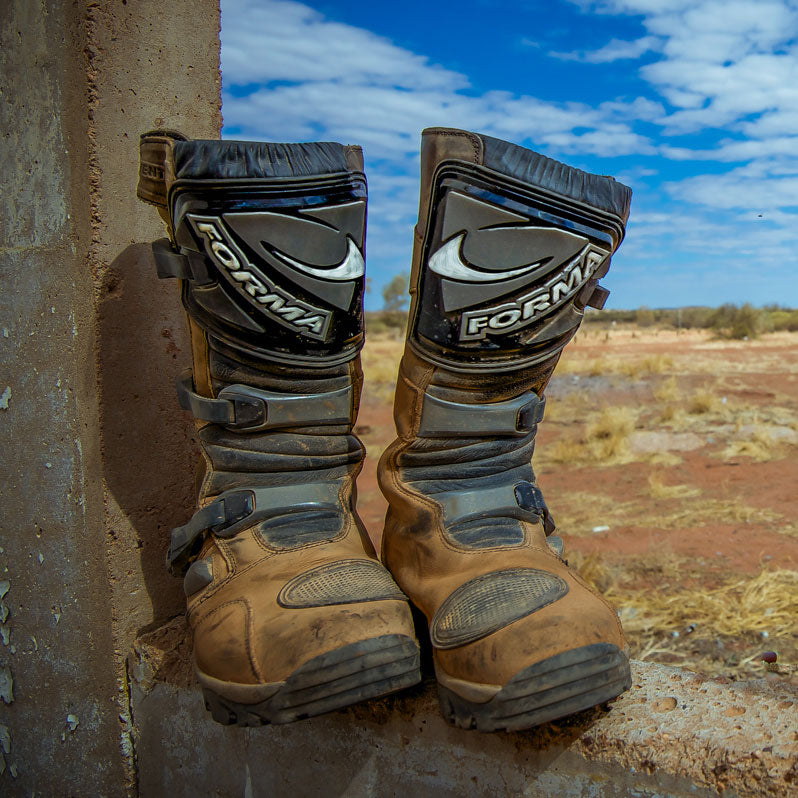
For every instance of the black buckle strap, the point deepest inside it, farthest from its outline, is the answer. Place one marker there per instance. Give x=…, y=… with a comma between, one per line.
x=243, y=408
x=441, y=418
x=181, y=265
x=521, y=500
x=237, y=510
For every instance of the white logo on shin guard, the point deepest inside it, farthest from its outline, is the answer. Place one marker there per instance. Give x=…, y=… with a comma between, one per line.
x=510, y=316
x=448, y=262
x=350, y=268
x=276, y=302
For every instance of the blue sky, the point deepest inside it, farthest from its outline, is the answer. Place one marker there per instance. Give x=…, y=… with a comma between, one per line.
x=693, y=103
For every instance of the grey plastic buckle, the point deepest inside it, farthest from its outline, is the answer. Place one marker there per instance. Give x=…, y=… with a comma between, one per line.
x=237, y=510
x=441, y=418
x=521, y=500
x=243, y=408
x=229, y=509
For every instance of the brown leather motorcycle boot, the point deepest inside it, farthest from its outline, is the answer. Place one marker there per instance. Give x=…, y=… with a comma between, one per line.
x=509, y=249
x=292, y=614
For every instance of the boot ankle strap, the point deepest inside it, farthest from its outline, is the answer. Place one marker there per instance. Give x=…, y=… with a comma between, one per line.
x=441, y=418
x=243, y=408
x=236, y=510
x=521, y=500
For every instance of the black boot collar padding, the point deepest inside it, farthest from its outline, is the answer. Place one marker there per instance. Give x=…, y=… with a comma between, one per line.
x=527, y=166
x=211, y=159
x=601, y=192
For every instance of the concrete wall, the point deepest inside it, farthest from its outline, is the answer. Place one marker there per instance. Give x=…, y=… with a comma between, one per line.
x=89, y=345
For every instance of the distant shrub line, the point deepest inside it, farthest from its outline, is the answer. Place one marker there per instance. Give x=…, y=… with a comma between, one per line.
x=726, y=321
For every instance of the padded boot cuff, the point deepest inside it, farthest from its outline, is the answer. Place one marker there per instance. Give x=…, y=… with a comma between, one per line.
x=211, y=160
x=603, y=193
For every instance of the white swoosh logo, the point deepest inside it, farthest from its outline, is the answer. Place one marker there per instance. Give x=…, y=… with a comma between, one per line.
x=350, y=268
x=447, y=262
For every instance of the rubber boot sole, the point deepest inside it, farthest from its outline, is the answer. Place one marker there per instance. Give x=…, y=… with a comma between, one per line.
x=337, y=679
x=561, y=685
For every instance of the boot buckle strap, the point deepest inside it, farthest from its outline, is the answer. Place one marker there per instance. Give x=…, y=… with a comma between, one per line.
x=521, y=500
x=181, y=265
x=441, y=418
x=244, y=408
x=236, y=510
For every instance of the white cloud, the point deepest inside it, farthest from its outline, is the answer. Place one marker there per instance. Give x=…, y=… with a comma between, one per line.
x=614, y=50
x=382, y=96
x=281, y=40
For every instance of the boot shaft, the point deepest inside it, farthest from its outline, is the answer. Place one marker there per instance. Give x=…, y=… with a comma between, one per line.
x=268, y=243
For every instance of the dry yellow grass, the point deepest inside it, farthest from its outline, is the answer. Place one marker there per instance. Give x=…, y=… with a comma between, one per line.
x=650, y=364
x=692, y=624
x=667, y=391
x=759, y=445
x=578, y=512
x=607, y=433
x=704, y=401
x=380, y=361
x=669, y=414
x=700, y=512
x=659, y=490
x=765, y=603
x=600, y=366
x=564, y=451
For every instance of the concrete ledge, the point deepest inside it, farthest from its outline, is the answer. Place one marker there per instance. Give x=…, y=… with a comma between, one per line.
x=675, y=733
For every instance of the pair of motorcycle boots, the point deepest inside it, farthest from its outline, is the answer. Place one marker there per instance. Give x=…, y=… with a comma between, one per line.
x=292, y=613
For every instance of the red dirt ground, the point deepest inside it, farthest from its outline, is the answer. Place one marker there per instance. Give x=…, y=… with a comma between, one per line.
x=757, y=374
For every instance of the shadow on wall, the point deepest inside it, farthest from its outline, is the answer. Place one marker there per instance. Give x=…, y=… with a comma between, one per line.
x=149, y=453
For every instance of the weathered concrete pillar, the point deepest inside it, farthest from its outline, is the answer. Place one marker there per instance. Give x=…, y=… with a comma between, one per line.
x=96, y=462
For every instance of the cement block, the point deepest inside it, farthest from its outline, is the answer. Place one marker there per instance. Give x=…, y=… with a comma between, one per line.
x=674, y=733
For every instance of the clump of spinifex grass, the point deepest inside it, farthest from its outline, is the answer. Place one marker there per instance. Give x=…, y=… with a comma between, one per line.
x=659, y=490
x=668, y=391
x=759, y=445
x=704, y=401
x=608, y=432
x=605, y=440
x=650, y=364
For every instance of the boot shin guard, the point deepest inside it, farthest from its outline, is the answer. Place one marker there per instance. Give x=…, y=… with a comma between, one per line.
x=510, y=258
x=271, y=247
